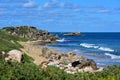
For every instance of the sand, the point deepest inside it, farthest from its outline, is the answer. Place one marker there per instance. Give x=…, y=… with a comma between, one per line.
x=35, y=51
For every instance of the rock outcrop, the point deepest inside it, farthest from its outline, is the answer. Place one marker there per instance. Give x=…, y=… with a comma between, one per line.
x=70, y=62
x=85, y=63
x=31, y=33
x=73, y=34
x=15, y=55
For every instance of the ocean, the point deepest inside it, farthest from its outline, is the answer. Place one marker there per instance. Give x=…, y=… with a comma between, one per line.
x=103, y=48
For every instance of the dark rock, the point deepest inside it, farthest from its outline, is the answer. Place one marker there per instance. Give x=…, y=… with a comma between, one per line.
x=88, y=62
x=59, y=57
x=85, y=63
x=75, y=63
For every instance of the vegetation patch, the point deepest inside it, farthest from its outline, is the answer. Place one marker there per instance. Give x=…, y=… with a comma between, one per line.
x=9, y=42
x=18, y=71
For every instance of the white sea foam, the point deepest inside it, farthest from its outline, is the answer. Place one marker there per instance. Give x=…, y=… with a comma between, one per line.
x=61, y=40
x=106, y=49
x=88, y=45
x=112, y=56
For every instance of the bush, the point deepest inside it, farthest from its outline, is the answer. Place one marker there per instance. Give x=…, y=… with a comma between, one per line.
x=30, y=71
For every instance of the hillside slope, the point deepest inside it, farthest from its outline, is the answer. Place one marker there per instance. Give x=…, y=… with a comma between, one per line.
x=9, y=42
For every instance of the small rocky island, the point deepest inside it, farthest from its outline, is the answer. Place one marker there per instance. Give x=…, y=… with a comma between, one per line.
x=73, y=34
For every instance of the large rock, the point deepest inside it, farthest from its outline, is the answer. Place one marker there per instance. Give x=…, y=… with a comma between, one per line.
x=73, y=57
x=85, y=63
x=15, y=55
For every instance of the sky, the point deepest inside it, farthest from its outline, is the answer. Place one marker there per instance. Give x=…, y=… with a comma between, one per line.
x=62, y=15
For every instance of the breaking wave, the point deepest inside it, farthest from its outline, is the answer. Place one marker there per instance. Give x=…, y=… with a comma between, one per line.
x=61, y=40
x=86, y=45
x=112, y=56
x=106, y=49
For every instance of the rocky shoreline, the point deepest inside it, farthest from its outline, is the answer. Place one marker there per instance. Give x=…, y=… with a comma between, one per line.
x=69, y=62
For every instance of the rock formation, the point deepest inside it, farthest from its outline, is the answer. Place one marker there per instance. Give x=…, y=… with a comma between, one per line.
x=15, y=55
x=73, y=34
x=31, y=33
x=70, y=62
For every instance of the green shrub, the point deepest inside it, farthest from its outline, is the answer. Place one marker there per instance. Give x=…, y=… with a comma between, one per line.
x=29, y=71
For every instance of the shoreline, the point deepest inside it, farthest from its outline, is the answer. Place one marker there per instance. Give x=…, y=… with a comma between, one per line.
x=51, y=57
x=35, y=51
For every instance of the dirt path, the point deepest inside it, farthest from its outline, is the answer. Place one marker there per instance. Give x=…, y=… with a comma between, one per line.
x=33, y=51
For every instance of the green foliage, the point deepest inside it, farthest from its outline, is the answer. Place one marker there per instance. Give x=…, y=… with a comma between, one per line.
x=29, y=71
x=27, y=59
x=9, y=42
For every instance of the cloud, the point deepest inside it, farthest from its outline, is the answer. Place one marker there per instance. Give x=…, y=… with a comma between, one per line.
x=16, y=1
x=56, y=5
x=7, y=7
x=30, y=4
x=104, y=11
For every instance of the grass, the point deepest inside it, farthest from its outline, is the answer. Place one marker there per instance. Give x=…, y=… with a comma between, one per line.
x=9, y=42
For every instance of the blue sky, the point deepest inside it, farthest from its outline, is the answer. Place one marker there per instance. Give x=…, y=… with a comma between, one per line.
x=62, y=15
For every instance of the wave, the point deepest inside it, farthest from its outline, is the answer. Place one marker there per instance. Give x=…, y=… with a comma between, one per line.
x=61, y=40
x=89, y=45
x=106, y=49
x=86, y=45
x=112, y=56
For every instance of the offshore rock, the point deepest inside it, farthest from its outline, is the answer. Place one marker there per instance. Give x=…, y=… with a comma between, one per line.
x=73, y=34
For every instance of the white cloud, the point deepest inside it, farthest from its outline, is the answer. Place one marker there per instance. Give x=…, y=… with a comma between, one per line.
x=4, y=1
x=30, y=4
x=104, y=11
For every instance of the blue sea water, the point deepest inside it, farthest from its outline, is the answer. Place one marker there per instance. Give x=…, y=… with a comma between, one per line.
x=104, y=48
